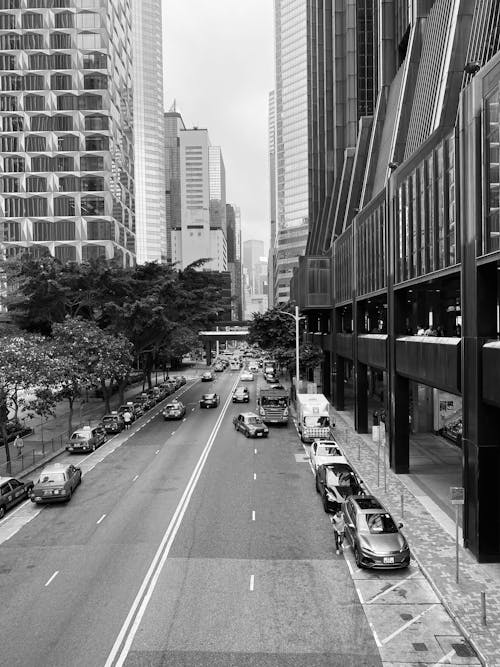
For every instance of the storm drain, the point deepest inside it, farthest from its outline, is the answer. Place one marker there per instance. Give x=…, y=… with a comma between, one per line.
x=463, y=650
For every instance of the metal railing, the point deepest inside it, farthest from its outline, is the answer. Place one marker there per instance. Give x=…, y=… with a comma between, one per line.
x=37, y=452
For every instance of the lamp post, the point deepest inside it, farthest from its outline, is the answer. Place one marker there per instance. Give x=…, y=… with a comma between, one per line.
x=297, y=319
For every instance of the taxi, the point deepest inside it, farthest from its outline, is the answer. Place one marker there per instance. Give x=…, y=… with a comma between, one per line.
x=86, y=439
x=56, y=483
x=174, y=410
x=13, y=491
x=113, y=422
x=209, y=401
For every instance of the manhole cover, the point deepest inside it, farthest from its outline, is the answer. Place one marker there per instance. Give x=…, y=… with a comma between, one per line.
x=419, y=646
x=463, y=650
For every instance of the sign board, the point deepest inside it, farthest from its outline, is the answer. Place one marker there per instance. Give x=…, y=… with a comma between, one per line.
x=457, y=495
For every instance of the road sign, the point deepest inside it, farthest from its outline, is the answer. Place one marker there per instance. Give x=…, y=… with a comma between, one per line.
x=457, y=495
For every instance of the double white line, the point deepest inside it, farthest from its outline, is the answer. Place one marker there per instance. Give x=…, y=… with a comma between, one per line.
x=123, y=642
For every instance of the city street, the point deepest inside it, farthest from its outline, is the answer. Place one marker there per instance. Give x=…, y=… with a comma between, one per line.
x=186, y=544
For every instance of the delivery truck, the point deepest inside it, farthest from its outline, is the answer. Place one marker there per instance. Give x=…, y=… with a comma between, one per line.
x=313, y=417
x=273, y=406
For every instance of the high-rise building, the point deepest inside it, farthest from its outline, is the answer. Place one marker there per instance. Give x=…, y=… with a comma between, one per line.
x=67, y=151
x=291, y=119
x=289, y=246
x=272, y=196
x=405, y=230
x=234, y=262
x=150, y=215
x=173, y=126
x=217, y=185
x=253, y=250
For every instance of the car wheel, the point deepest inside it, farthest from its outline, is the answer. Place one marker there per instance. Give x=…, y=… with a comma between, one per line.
x=93, y=447
x=317, y=485
x=357, y=557
x=325, y=505
x=69, y=495
x=247, y=434
x=2, y=512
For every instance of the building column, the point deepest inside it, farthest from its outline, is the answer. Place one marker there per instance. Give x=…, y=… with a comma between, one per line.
x=339, y=401
x=208, y=352
x=361, y=398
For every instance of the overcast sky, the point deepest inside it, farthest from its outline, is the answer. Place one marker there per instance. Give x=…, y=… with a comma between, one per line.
x=219, y=67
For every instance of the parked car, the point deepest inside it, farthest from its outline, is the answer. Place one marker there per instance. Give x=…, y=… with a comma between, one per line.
x=113, y=422
x=335, y=482
x=270, y=377
x=57, y=482
x=209, y=400
x=375, y=537
x=147, y=401
x=168, y=386
x=86, y=439
x=207, y=376
x=241, y=395
x=246, y=376
x=251, y=425
x=138, y=409
x=13, y=491
x=218, y=367
x=129, y=406
x=174, y=410
x=325, y=451
x=180, y=380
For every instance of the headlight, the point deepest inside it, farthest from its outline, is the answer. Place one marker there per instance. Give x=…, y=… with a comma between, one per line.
x=62, y=492
x=285, y=412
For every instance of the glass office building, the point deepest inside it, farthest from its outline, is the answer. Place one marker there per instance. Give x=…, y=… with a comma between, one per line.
x=67, y=153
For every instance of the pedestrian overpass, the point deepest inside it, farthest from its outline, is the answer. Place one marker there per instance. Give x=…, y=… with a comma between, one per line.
x=211, y=338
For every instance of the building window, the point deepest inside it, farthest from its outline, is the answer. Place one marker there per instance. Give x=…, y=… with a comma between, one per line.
x=60, y=230
x=60, y=61
x=91, y=163
x=95, y=81
x=65, y=253
x=96, y=143
x=64, y=206
x=89, y=40
x=8, y=62
x=88, y=21
x=93, y=252
x=34, y=103
x=95, y=61
x=13, y=164
x=62, y=123
x=10, y=232
x=9, y=184
x=32, y=21
x=60, y=40
x=67, y=102
x=35, y=143
x=63, y=163
x=10, y=42
x=69, y=184
x=96, y=123
x=92, y=183
x=8, y=103
x=10, y=4
x=64, y=20
x=100, y=230
x=7, y=22
x=41, y=123
x=12, y=82
x=491, y=242
x=39, y=61
x=61, y=82
x=41, y=163
x=32, y=40
x=93, y=206
x=68, y=142
x=92, y=102
x=36, y=184
x=9, y=144
x=34, y=82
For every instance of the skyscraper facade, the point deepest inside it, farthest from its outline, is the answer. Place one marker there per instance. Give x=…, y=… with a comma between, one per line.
x=66, y=114
x=405, y=230
x=173, y=126
x=150, y=213
x=234, y=262
x=217, y=185
x=291, y=114
x=272, y=196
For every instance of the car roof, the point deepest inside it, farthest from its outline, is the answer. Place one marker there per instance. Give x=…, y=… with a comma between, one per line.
x=56, y=467
x=248, y=414
x=5, y=479
x=209, y=395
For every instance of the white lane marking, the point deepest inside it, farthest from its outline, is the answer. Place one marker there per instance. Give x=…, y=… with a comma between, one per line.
x=157, y=451
x=252, y=582
x=391, y=588
x=255, y=475
x=407, y=624
x=255, y=451
x=358, y=591
x=192, y=409
x=101, y=519
x=253, y=515
x=123, y=642
x=136, y=477
x=52, y=577
x=446, y=657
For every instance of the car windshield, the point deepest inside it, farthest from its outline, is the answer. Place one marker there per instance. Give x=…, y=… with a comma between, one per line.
x=52, y=478
x=109, y=419
x=254, y=420
x=377, y=523
x=208, y=397
x=80, y=435
x=344, y=481
x=328, y=450
x=278, y=401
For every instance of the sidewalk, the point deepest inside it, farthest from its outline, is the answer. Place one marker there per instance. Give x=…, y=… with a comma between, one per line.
x=426, y=520
x=49, y=436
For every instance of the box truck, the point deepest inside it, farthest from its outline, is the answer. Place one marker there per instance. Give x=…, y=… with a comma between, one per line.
x=313, y=417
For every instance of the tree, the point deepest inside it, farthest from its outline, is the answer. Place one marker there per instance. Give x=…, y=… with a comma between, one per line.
x=26, y=364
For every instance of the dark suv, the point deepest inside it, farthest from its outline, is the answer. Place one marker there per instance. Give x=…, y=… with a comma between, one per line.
x=375, y=537
x=251, y=425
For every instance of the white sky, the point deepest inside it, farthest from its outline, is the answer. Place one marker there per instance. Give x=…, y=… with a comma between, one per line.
x=219, y=67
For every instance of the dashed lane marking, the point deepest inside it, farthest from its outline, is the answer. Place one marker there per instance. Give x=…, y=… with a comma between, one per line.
x=136, y=477
x=252, y=582
x=253, y=515
x=52, y=578
x=101, y=519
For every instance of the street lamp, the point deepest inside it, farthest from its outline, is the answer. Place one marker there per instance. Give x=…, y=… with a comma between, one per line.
x=297, y=319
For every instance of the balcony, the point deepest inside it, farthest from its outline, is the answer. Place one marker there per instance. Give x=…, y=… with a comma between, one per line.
x=311, y=285
x=372, y=350
x=434, y=361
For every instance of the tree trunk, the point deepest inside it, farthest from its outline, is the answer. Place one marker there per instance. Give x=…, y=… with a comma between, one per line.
x=106, y=394
x=4, y=414
x=122, y=383
x=70, y=416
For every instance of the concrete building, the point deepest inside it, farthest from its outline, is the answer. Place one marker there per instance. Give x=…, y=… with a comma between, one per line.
x=272, y=198
x=66, y=114
x=234, y=261
x=289, y=246
x=149, y=162
x=173, y=126
x=405, y=232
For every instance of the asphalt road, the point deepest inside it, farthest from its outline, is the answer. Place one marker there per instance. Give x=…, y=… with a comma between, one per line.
x=186, y=545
